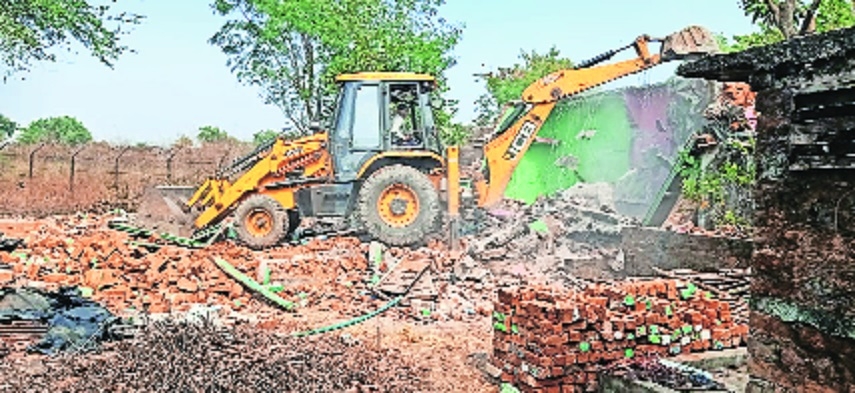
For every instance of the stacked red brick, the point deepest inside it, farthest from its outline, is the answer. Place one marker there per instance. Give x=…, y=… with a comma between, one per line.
x=558, y=342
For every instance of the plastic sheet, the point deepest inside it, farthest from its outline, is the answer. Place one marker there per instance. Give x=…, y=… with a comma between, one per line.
x=75, y=323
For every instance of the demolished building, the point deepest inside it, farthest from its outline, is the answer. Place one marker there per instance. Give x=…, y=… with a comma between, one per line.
x=802, y=304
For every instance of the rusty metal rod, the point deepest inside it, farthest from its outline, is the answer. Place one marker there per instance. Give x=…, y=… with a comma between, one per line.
x=32, y=157
x=116, y=168
x=71, y=174
x=172, y=154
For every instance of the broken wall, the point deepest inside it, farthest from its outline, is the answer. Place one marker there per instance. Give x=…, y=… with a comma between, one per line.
x=803, y=290
x=630, y=137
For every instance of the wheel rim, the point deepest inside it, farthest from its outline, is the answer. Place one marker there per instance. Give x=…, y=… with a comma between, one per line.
x=259, y=222
x=398, y=205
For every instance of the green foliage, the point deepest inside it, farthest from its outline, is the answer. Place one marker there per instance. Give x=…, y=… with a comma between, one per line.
x=510, y=83
x=31, y=29
x=454, y=134
x=723, y=186
x=7, y=127
x=508, y=388
x=264, y=136
x=790, y=18
x=294, y=49
x=835, y=14
x=767, y=35
x=63, y=129
x=209, y=134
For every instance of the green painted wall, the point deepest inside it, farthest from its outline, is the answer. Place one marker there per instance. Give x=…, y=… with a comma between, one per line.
x=603, y=157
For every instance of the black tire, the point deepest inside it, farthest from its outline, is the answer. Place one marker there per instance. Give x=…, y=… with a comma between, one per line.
x=269, y=210
x=427, y=217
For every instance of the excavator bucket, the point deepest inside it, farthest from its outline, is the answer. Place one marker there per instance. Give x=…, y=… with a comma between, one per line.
x=691, y=42
x=163, y=209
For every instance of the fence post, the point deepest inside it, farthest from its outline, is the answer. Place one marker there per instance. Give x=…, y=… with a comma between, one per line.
x=116, y=168
x=175, y=151
x=32, y=157
x=222, y=161
x=71, y=175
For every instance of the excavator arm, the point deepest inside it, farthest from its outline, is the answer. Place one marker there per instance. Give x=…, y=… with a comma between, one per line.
x=518, y=128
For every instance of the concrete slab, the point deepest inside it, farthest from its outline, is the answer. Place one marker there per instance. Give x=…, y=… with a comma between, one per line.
x=645, y=248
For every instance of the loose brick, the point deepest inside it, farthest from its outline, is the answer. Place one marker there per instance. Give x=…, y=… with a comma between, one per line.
x=6, y=276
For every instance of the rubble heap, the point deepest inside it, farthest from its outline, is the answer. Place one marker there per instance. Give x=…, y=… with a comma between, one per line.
x=322, y=275
x=82, y=252
x=579, y=223
x=548, y=338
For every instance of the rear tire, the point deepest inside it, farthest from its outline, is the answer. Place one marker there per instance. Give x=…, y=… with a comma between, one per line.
x=261, y=222
x=398, y=205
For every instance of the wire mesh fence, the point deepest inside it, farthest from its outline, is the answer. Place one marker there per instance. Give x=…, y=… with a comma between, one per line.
x=53, y=179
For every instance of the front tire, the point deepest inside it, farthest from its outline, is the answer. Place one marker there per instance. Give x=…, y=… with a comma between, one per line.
x=398, y=205
x=261, y=222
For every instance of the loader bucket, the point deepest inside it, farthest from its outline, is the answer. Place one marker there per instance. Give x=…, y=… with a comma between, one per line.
x=163, y=209
x=691, y=42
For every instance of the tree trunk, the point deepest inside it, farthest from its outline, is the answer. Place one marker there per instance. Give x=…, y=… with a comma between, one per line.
x=309, y=75
x=787, y=19
x=809, y=22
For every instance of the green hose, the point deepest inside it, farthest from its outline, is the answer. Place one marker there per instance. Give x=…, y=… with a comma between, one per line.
x=351, y=322
x=252, y=284
x=363, y=318
x=211, y=234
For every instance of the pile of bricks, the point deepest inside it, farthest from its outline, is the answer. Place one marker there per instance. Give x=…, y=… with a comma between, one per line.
x=322, y=275
x=546, y=341
x=83, y=253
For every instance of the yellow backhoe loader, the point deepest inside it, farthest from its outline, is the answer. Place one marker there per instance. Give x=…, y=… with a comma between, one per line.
x=380, y=161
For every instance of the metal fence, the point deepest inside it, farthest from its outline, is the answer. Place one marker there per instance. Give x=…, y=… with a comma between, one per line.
x=58, y=178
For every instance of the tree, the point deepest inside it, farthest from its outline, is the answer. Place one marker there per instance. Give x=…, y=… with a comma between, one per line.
x=31, y=29
x=508, y=84
x=62, y=129
x=264, y=136
x=780, y=20
x=293, y=49
x=7, y=127
x=210, y=134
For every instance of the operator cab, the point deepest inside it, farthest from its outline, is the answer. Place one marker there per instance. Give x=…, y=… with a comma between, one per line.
x=380, y=112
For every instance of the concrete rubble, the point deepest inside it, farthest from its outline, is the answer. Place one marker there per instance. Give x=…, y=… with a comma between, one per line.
x=579, y=224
